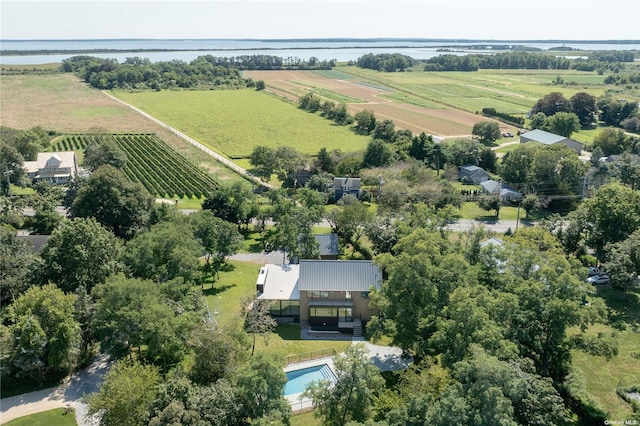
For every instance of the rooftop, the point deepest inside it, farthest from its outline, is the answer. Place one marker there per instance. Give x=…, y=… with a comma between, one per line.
x=339, y=275
x=541, y=136
x=280, y=282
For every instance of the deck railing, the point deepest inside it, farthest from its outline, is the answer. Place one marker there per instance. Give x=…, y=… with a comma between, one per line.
x=308, y=356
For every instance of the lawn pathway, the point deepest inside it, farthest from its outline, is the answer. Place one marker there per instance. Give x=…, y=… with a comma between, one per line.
x=70, y=392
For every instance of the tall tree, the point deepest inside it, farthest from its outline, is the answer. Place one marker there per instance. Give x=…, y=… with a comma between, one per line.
x=365, y=121
x=234, y=203
x=106, y=152
x=611, y=141
x=377, y=154
x=117, y=203
x=132, y=314
x=257, y=320
x=220, y=239
x=18, y=265
x=350, y=222
x=351, y=397
x=166, y=251
x=584, y=106
x=80, y=253
x=47, y=335
x=562, y=123
x=260, y=385
x=124, y=398
x=551, y=104
x=487, y=131
x=611, y=206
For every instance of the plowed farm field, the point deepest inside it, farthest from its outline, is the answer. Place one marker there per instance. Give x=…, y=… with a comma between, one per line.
x=358, y=95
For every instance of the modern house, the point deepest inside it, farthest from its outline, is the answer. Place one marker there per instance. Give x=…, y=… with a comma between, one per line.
x=472, y=174
x=53, y=167
x=548, y=138
x=326, y=295
x=507, y=195
x=346, y=185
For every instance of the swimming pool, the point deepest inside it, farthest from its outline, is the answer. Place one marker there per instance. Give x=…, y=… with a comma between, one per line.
x=297, y=380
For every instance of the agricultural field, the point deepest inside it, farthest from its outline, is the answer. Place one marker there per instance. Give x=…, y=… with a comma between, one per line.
x=62, y=102
x=446, y=104
x=151, y=162
x=234, y=122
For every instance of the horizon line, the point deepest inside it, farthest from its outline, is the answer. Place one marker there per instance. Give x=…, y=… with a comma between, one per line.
x=335, y=39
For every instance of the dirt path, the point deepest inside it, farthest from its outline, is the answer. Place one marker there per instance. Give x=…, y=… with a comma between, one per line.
x=68, y=393
x=195, y=143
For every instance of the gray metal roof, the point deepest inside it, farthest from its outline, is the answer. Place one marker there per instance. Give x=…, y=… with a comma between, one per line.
x=346, y=183
x=328, y=244
x=490, y=186
x=338, y=275
x=541, y=136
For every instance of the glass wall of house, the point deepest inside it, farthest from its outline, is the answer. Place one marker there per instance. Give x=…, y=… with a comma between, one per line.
x=285, y=308
x=327, y=315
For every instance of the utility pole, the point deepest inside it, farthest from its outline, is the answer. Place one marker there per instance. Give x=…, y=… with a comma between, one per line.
x=584, y=187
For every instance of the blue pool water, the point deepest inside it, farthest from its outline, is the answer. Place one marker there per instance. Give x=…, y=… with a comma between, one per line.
x=297, y=380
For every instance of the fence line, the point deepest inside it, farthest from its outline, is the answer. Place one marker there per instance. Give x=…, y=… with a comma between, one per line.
x=308, y=356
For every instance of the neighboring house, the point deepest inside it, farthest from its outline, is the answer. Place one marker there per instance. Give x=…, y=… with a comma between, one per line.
x=37, y=241
x=328, y=295
x=548, y=138
x=472, y=174
x=507, y=195
x=616, y=159
x=495, y=242
x=346, y=185
x=328, y=246
x=53, y=167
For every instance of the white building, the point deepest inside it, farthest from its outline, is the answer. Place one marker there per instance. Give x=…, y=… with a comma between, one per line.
x=53, y=167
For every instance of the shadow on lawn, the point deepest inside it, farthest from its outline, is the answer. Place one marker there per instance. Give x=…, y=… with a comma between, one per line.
x=215, y=290
x=623, y=307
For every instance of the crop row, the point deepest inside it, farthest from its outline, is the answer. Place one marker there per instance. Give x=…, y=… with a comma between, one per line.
x=151, y=162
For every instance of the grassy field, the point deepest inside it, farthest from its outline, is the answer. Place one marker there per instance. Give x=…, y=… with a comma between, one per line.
x=234, y=122
x=55, y=417
x=63, y=103
x=604, y=376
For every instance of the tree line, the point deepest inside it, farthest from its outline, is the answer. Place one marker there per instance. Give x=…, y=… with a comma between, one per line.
x=599, y=60
x=203, y=72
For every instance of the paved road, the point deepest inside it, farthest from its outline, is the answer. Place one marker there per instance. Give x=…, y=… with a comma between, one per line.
x=70, y=392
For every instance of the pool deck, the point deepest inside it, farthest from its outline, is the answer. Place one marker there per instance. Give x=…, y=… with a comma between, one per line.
x=297, y=401
x=386, y=358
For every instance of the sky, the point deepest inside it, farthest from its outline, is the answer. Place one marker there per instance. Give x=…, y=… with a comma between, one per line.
x=269, y=19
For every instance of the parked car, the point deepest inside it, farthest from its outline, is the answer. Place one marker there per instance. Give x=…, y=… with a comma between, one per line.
x=507, y=135
x=594, y=270
x=599, y=279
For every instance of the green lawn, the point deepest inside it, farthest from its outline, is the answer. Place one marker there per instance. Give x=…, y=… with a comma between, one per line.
x=233, y=122
x=470, y=210
x=18, y=190
x=306, y=419
x=55, y=417
x=603, y=376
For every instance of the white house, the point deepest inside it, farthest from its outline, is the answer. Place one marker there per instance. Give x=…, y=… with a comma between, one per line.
x=53, y=167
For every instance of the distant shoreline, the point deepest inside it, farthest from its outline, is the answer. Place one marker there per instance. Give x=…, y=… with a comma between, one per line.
x=340, y=40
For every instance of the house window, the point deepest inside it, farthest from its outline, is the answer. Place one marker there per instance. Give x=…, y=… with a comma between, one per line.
x=316, y=294
x=364, y=295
